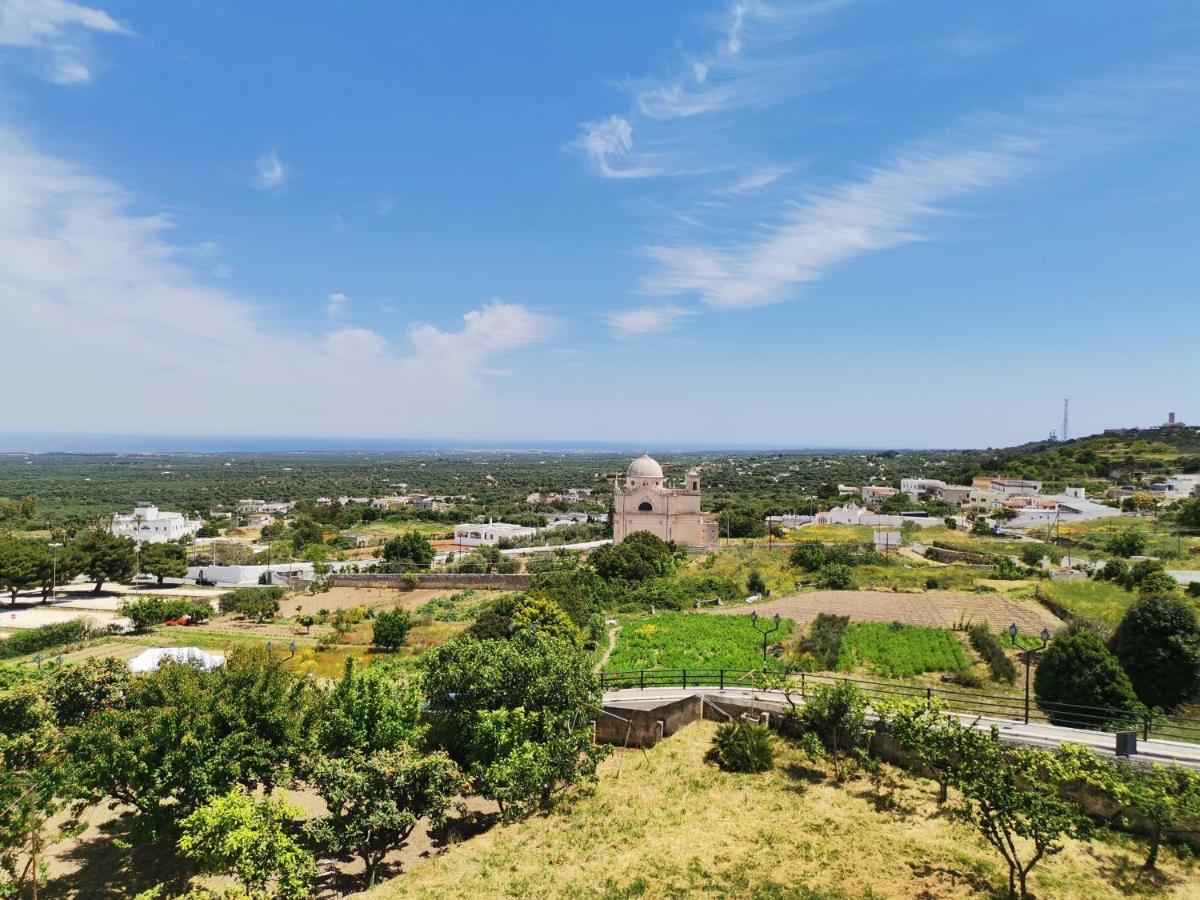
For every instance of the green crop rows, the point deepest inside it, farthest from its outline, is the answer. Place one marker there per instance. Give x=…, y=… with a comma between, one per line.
x=691, y=641
x=899, y=650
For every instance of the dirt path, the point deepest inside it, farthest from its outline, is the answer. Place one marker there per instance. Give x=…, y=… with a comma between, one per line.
x=939, y=609
x=608, y=651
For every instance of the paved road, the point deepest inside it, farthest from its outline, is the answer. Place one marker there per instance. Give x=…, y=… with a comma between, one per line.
x=1032, y=735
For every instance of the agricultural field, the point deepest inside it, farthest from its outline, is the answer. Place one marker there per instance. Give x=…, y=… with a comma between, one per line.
x=691, y=641
x=831, y=533
x=735, y=565
x=1101, y=602
x=1177, y=549
x=898, y=651
x=664, y=823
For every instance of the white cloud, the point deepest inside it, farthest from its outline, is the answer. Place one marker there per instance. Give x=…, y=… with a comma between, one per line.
x=58, y=29
x=111, y=314
x=335, y=304
x=884, y=209
x=646, y=320
x=756, y=180
x=608, y=144
x=270, y=171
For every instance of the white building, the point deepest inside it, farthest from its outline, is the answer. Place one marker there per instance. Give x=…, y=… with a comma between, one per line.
x=148, y=524
x=1013, y=487
x=270, y=507
x=472, y=535
x=920, y=488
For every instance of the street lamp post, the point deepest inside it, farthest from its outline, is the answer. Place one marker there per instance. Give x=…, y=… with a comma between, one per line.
x=771, y=630
x=1027, y=657
x=54, y=570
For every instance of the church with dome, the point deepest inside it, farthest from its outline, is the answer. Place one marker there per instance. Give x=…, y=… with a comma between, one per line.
x=646, y=502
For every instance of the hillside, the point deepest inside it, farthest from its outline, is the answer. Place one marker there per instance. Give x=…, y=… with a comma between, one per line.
x=1123, y=452
x=665, y=824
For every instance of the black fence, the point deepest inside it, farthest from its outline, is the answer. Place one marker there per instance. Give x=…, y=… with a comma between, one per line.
x=999, y=706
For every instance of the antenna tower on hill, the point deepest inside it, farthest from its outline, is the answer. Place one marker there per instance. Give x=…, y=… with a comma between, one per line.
x=1066, y=433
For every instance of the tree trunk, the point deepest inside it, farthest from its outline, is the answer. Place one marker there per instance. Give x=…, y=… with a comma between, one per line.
x=1152, y=859
x=160, y=579
x=99, y=585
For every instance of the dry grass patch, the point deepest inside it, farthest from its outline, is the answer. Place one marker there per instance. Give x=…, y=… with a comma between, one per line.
x=673, y=826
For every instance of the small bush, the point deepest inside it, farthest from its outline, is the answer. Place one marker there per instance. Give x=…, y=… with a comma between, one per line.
x=1127, y=543
x=989, y=648
x=836, y=577
x=742, y=747
x=756, y=585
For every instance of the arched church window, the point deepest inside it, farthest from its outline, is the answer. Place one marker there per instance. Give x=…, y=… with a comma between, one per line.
x=645, y=506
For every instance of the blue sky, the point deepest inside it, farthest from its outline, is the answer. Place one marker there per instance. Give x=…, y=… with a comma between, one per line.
x=850, y=223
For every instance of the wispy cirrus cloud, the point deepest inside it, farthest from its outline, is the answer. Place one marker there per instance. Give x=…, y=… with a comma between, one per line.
x=59, y=31
x=645, y=320
x=608, y=146
x=269, y=171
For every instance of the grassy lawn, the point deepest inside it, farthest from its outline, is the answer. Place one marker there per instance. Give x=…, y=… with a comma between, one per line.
x=385, y=529
x=885, y=649
x=1098, y=601
x=691, y=641
x=912, y=576
x=664, y=823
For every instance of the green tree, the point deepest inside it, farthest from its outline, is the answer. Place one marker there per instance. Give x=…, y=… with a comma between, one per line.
x=410, y=551
x=375, y=801
x=578, y=590
x=1158, y=645
x=835, y=715
x=1006, y=799
x=1187, y=514
x=756, y=584
x=1129, y=542
x=1078, y=671
x=304, y=531
x=106, y=557
x=166, y=560
x=390, y=628
x=520, y=613
x=515, y=714
x=251, y=840
x=20, y=564
x=183, y=736
x=933, y=738
x=639, y=557
x=368, y=710
x=257, y=603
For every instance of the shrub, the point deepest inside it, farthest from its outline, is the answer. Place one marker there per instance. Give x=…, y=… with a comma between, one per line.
x=1032, y=554
x=1007, y=570
x=836, y=577
x=46, y=637
x=1193, y=589
x=742, y=747
x=756, y=585
x=824, y=640
x=1078, y=670
x=1115, y=570
x=989, y=648
x=808, y=555
x=390, y=629
x=1158, y=645
x=1127, y=543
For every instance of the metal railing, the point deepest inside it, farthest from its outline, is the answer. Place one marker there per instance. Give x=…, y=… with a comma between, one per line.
x=1150, y=723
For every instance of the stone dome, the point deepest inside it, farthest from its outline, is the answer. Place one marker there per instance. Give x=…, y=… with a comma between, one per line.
x=644, y=467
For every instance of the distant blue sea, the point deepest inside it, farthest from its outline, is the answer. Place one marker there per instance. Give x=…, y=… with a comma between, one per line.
x=207, y=443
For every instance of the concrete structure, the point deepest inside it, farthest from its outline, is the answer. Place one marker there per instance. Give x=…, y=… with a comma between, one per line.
x=958, y=495
x=872, y=494
x=1063, y=508
x=271, y=507
x=1012, y=487
x=472, y=535
x=1178, y=487
x=150, y=525
x=919, y=489
x=789, y=520
x=646, y=503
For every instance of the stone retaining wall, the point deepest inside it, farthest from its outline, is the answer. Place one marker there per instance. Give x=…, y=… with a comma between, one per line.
x=454, y=581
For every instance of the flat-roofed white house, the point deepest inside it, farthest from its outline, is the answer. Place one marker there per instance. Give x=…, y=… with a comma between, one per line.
x=645, y=502
x=472, y=535
x=148, y=524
